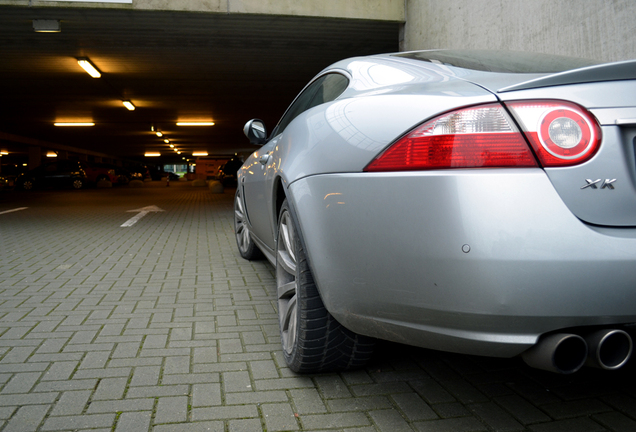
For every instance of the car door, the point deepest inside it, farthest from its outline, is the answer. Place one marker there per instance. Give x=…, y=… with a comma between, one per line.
x=258, y=181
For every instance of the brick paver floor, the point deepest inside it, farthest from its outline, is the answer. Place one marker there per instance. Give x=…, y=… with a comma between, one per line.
x=162, y=326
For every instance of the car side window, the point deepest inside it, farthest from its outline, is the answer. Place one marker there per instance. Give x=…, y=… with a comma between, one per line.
x=325, y=89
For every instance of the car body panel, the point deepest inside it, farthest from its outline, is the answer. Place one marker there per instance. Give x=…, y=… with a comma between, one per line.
x=525, y=272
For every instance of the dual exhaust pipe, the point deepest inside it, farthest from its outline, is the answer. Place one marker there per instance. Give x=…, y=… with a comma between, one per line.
x=566, y=353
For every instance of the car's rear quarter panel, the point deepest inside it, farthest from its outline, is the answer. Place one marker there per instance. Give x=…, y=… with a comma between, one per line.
x=386, y=250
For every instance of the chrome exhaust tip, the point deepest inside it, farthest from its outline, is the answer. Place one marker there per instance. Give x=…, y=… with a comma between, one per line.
x=563, y=353
x=608, y=349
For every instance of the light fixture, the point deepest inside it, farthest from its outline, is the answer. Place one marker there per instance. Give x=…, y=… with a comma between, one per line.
x=46, y=26
x=51, y=154
x=89, y=67
x=159, y=134
x=152, y=154
x=129, y=105
x=201, y=153
x=195, y=123
x=167, y=141
x=3, y=152
x=74, y=124
x=171, y=145
x=178, y=152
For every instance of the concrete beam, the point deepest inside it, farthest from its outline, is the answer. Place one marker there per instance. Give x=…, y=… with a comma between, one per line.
x=382, y=10
x=596, y=29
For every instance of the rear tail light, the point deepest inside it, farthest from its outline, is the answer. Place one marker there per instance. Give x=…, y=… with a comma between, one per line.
x=476, y=137
x=484, y=136
x=561, y=133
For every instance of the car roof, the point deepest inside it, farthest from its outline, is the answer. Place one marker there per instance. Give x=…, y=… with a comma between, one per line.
x=497, y=71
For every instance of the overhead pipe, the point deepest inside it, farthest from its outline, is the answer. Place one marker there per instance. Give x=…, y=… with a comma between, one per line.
x=608, y=349
x=563, y=353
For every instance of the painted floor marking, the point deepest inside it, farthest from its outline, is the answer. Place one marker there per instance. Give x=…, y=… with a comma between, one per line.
x=142, y=212
x=13, y=210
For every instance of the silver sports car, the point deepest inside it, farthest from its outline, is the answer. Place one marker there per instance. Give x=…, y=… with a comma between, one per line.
x=475, y=202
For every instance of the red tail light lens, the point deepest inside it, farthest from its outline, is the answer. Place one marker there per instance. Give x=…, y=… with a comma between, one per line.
x=561, y=133
x=476, y=137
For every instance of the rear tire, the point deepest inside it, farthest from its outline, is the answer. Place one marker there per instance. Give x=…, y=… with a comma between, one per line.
x=312, y=339
x=77, y=184
x=27, y=184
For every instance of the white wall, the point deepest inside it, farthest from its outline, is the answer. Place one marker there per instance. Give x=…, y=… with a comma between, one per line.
x=597, y=29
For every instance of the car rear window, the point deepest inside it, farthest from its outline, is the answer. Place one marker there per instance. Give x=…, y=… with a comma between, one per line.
x=500, y=61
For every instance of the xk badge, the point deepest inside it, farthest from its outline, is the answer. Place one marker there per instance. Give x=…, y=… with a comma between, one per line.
x=594, y=184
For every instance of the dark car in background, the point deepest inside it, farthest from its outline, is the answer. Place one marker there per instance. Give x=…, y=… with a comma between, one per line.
x=56, y=174
x=228, y=172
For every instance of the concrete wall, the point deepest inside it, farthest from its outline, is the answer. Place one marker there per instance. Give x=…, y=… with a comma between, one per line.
x=597, y=29
x=385, y=10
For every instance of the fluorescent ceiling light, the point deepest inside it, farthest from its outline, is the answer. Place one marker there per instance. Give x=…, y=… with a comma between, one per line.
x=74, y=124
x=129, y=105
x=152, y=154
x=46, y=26
x=88, y=67
x=51, y=154
x=195, y=123
x=201, y=153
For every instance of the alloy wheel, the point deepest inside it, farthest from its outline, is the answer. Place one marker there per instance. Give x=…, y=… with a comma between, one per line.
x=240, y=226
x=286, y=281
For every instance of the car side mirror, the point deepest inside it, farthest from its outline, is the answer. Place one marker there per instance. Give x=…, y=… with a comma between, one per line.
x=255, y=131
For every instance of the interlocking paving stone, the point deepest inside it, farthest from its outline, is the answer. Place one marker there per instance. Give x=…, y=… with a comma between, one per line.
x=162, y=327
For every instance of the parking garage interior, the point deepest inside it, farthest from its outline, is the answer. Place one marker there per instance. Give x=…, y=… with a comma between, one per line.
x=130, y=309
x=172, y=66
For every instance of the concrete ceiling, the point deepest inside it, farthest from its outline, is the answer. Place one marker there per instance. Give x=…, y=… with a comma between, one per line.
x=173, y=66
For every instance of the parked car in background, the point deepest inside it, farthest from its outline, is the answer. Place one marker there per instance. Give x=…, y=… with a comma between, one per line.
x=116, y=174
x=161, y=174
x=468, y=201
x=227, y=173
x=60, y=173
x=96, y=172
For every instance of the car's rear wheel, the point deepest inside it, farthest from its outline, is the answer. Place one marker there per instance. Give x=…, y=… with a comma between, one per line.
x=312, y=339
x=77, y=184
x=246, y=246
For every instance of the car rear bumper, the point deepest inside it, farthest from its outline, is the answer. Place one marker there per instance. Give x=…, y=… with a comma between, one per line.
x=472, y=261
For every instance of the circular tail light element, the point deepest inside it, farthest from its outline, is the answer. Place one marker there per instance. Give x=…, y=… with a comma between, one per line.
x=561, y=133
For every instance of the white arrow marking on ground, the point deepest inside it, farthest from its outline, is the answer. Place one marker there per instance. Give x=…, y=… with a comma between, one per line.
x=14, y=210
x=142, y=212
